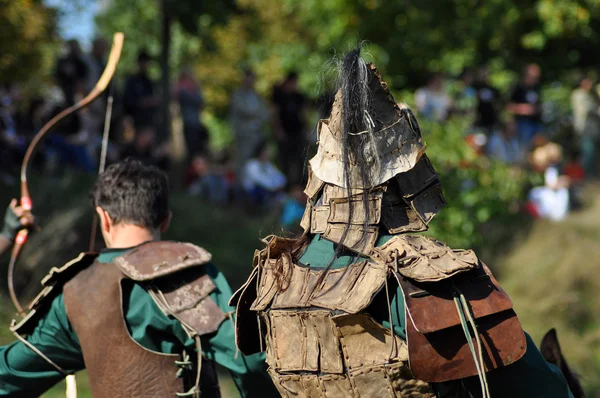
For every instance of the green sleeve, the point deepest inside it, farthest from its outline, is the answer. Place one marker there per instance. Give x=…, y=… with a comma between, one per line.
x=248, y=372
x=529, y=377
x=23, y=373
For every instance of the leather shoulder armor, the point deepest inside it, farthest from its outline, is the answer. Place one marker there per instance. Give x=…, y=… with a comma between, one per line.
x=424, y=259
x=175, y=275
x=156, y=259
x=52, y=286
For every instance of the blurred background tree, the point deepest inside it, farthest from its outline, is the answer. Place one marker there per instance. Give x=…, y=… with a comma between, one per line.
x=28, y=41
x=409, y=40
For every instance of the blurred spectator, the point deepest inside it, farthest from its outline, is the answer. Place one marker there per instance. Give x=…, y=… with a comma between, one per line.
x=477, y=141
x=191, y=103
x=551, y=200
x=71, y=72
x=65, y=146
x=464, y=99
x=586, y=122
x=433, y=102
x=525, y=104
x=35, y=115
x=488, y=98
x=139, y=97
x=248, y=115
x=95, y=63
x=505, y=146
x=576, y=173
x=92, y=117
x=12, y=144
x=289, y=126
x=144, y=148
x=574, y=170
x=208, y=181
x=261, y=179
x=294, y=206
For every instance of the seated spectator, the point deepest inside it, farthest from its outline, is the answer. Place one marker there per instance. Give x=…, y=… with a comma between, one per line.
x=574, y=169
x=477, y=142
x=207, y=181
x=144, y=149
x=551, y=200
x=464, y=95
x=261, y=179
x=294, y=206
x=66, y=146
x=433, y=102
x=576, y=173
x=505, y=146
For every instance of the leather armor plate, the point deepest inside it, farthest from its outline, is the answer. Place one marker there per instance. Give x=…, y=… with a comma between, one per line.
x=438, y=349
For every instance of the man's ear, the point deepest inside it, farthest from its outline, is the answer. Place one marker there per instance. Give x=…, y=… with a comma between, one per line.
x=166, y=222
x=106, y=222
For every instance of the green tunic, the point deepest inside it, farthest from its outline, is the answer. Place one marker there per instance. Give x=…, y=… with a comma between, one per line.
x=24, y=374
x=529, y=377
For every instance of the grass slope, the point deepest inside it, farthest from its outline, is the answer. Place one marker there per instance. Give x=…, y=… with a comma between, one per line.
x=553, y=277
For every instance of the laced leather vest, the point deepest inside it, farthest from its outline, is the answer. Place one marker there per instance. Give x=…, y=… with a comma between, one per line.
x=174, y=275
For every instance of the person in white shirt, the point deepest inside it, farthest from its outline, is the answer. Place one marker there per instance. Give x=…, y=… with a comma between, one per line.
x=552, y=199
x=261, y=179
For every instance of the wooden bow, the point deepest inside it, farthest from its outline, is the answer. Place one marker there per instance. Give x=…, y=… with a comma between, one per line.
x=26, y=203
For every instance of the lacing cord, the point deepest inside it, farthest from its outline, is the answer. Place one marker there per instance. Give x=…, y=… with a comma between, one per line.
x=394, y=343
x=41, y=354
x=187, y=364
x=258, y=269
x=71, y=391
x=466, y=319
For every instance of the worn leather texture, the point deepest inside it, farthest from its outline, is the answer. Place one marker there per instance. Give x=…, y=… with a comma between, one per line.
x=93, y=301
x=424, y=259
x=318, y=343
x=186, y=298
x=438, y=349
x=155, y=259
x=117, y=365
x=52, y=286
x=338, y=290
x=396, y=145
x=313, y=353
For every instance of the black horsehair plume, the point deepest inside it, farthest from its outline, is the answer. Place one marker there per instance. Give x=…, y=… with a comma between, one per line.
x=357, y=127
x=357, y=130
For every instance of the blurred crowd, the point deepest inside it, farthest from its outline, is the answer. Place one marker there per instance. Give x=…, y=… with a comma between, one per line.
x=508, y=127
x=265, y=165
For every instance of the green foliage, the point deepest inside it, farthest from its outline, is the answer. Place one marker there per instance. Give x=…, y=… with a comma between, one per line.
x=477, y=191
x=27, y=41
x=408, y=40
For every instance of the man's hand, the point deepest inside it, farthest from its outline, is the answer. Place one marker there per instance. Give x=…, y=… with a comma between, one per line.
x=16, y=218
